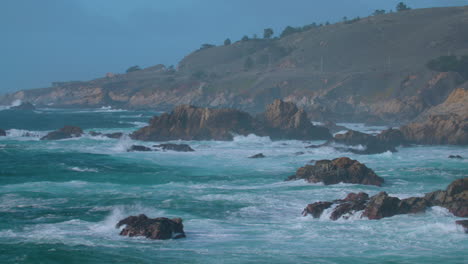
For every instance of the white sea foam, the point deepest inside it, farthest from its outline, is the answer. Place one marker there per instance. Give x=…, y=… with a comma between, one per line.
x=21, y=133
x=78, y=169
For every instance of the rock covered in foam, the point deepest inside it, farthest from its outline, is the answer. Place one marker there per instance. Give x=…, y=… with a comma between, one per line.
x=381, y=205
x=64, y=133
x=26, y=106
x=175, y=147
x=338, y=170
x=153, y=228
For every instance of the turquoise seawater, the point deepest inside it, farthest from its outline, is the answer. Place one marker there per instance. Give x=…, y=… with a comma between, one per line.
x=60, y=200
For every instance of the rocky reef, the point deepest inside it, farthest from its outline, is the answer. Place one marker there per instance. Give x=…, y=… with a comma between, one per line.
x=338, y=170
x=454, y=198
x=387, y=140
x=175, y=147
x=64, y=133
x=280, y=121
x=153, y=228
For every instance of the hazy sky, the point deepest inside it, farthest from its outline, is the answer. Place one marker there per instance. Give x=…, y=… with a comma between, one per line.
x=60, y=40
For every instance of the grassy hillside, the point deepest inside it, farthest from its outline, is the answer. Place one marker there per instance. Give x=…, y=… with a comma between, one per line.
x=373, y=69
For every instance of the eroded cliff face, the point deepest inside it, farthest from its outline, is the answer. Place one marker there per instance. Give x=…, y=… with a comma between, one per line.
x=446, y=123
x=369, y=71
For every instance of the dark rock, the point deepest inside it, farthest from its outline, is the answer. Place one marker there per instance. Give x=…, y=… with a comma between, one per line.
x=138, y=148
x=334, y=127
x=175, y=147
x=94, y=133
x=392, y=137
x=64, y=133
x=280, y=121
x=257, y=156
x=463, y=224
x=413, y=205
x=372, y=144
x=285, y=121
x=381, y=205
x=455, y=157
x=194, y=123
x=115, y=135
x=153, y=228
x=26, y=106
x=454, y=198
x=299, y=153
x=338, y=170
x=316, y=209
x=2, y=133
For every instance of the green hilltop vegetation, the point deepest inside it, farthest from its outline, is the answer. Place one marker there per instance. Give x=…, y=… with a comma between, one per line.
x=388, y=67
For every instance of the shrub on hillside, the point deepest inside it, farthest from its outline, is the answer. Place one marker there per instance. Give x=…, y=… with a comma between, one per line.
x=450, y=64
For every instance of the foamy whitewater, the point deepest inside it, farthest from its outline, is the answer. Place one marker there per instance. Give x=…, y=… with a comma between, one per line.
x=60, y=200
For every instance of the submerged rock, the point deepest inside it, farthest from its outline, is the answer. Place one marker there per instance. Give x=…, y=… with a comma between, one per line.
x=387, y=140
x=455, y=157
x=175, y=147
x=115, y=135
x=2, y=133
x=27, y=106
x=138, y=148
x=64, y=133
x=463, y=224
x=454, y=198
x=257, y=156
x=338, y=170
x=153, y=228
x=334, y=127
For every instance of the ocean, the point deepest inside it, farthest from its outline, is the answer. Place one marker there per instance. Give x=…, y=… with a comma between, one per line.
x=60, y=200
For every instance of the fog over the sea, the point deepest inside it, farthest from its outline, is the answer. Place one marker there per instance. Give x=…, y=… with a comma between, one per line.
x=59, y=40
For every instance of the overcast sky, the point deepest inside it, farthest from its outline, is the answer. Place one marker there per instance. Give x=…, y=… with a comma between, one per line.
x=61, y=40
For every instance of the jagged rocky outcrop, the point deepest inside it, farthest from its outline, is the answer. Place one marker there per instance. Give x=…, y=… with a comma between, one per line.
x=175, y=147
x=387, y=140
x=454, y=198
x=455, y=157
x=285, y=121
x=134, y=148
x=153, y=228
x=195, y=123
x=2, y=133
x=26, y=106
x=338, y=170
x=64, y=133
x=446, y=123
x=281, y=120
x=438, y=130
